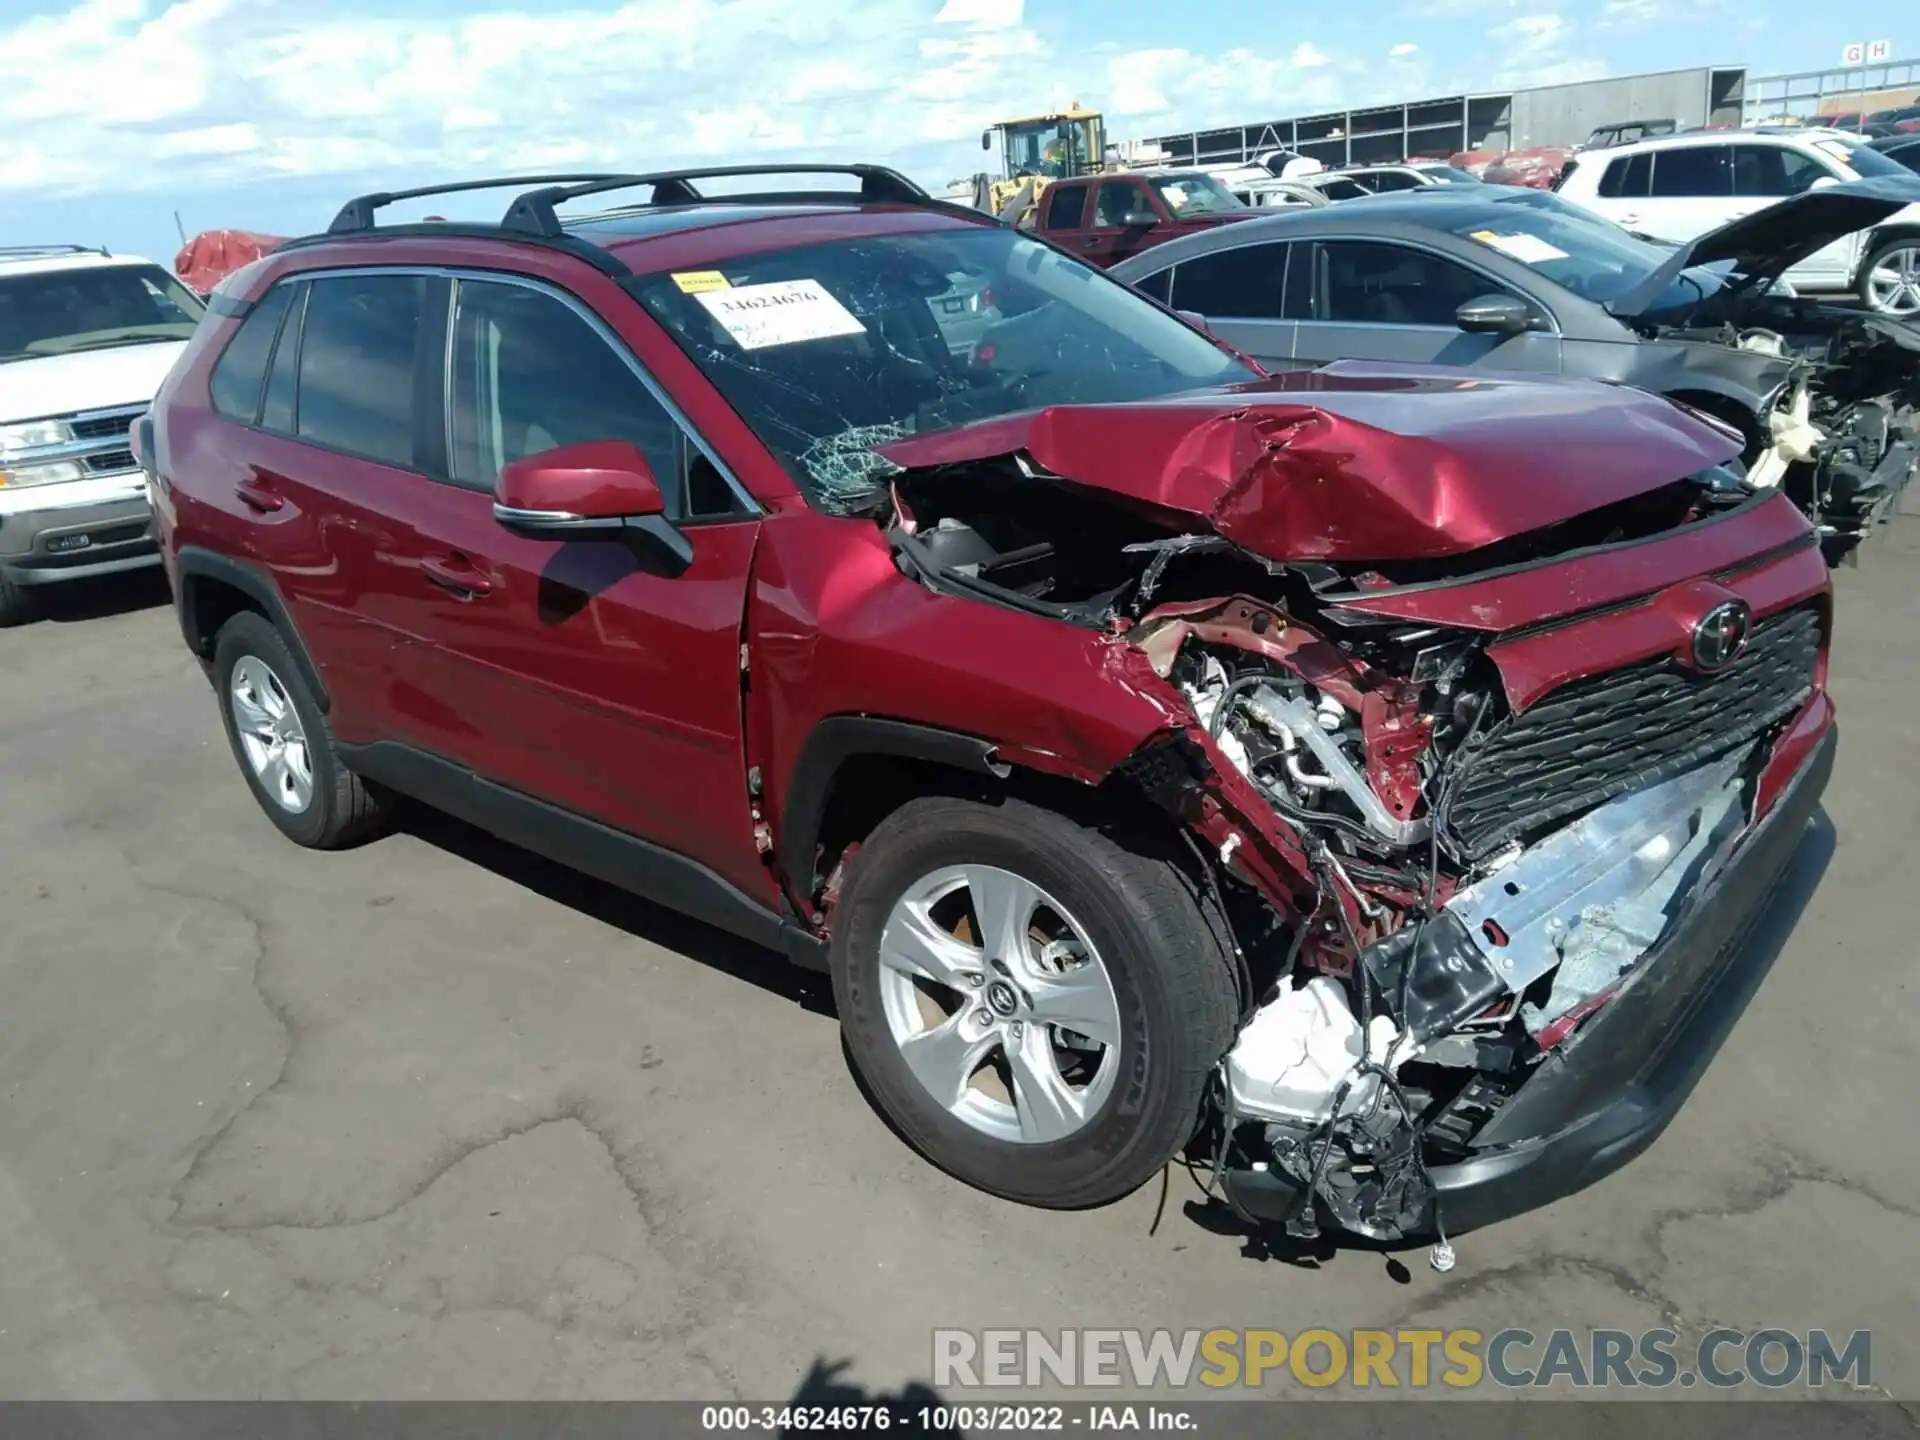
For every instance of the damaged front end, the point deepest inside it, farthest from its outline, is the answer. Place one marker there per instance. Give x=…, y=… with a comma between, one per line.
x=1841, y=435
x=1835, y=418
x=1461, y=800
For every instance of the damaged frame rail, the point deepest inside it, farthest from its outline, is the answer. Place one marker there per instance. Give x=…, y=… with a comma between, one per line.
x=1605, y=1092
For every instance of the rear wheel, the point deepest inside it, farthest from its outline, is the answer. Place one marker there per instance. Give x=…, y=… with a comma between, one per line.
x=1034, y=1005
x=283, y=743
x=1890, y=280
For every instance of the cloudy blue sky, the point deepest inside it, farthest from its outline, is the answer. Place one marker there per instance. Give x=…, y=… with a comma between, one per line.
x=264, y=113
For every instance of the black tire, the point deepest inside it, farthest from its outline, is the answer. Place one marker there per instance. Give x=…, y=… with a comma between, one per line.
x=16, y=603
x=1168, y=965
x=1865, y=289
x=344, y=810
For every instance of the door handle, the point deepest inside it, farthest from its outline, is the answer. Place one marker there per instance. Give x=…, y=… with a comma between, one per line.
x=456, y=574
x=1091, y=244
x=1629, y=220
x=256, y=494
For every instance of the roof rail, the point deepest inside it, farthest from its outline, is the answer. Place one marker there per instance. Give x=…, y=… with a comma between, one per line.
x=533, y=212
x=23, y=252
x=357, y=214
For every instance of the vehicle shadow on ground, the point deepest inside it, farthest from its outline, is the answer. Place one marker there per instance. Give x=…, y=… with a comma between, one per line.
x=610, y=905
x=84, y=600
x=825, y=1389
x=1270, y=1243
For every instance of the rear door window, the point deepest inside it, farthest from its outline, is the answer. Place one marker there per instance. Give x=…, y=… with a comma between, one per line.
x=241, y=370
x=1066, y=205
x=1247, y=283
x=362, y=351
x=1692, y=172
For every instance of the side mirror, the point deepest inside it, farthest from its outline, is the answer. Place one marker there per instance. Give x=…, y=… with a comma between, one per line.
x=1139, y=217
x=986, y=139
x=1495, y=315
x=594, y=490
x=1195, y=319
x=1823, y=182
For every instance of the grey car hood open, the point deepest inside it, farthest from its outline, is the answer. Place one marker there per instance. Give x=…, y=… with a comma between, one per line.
x=1768, y=242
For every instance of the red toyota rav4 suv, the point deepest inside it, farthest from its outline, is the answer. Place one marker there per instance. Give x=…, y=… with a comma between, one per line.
x=1369, y=778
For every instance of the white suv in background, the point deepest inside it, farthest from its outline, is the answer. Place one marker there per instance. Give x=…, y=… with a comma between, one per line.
x=1679, y=187
x=85, y=340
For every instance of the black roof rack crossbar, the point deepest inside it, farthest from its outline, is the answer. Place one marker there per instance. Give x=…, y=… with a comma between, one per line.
x=357, y=214
x=533, y=212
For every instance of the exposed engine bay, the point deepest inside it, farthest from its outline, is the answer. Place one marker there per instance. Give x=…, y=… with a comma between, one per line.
x=1448, y=885
x=1842, y=435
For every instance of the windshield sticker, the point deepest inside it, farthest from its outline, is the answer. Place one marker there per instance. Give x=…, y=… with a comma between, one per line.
x=1528, y=249
x=784, y=312
x=1836, y=148
x=699, y=282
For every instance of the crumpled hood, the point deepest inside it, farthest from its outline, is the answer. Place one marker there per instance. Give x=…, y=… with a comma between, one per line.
x=1358, y=461
x=1769, y=242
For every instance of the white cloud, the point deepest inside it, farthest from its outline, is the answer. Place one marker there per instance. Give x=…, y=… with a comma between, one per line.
x=1630, y=14
x=1529, y=35
x=234, y=139
x=1536, y=49
x=988, y=14
x=113, y=96
x=1404, y=48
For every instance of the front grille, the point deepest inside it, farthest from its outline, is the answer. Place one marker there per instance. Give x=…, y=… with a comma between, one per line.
x=107, y=425
x=110, y=462
x=1594, y=739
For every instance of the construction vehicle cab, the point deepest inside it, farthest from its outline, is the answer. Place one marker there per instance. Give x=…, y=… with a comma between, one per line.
x=1035, y=152
x=1059, y=146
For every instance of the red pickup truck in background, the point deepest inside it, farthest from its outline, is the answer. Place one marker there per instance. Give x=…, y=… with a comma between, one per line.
x=1105, y=218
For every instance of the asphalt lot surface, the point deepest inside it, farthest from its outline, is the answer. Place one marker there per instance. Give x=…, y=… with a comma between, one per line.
x=434, y=1119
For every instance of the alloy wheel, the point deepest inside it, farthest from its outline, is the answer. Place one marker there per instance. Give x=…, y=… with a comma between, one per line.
x=271, y=735
x=1893, y=285
x=999, y=1003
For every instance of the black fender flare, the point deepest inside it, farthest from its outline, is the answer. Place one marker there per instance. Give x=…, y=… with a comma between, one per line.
x=840, y=738
x=195, y=567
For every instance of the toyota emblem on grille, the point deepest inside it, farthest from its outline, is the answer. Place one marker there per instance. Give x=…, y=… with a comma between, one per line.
x=1721, y=634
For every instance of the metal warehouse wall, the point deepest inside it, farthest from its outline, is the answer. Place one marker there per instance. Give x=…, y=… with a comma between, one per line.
x=1567, y=114
x=1550, y=115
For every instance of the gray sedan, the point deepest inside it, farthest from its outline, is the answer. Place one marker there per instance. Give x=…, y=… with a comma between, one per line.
x=1497, y=280
x=1518, y=280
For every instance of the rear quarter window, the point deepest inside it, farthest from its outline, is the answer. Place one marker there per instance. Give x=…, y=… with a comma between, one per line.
x=1627, y=177
x=241, y=370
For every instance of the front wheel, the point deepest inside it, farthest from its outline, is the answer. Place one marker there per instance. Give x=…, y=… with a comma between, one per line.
x=1890, y=280
x=16, y=603
x=1034, y=1005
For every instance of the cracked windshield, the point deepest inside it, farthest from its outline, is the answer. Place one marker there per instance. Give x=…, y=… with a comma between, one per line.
x=829, y=350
